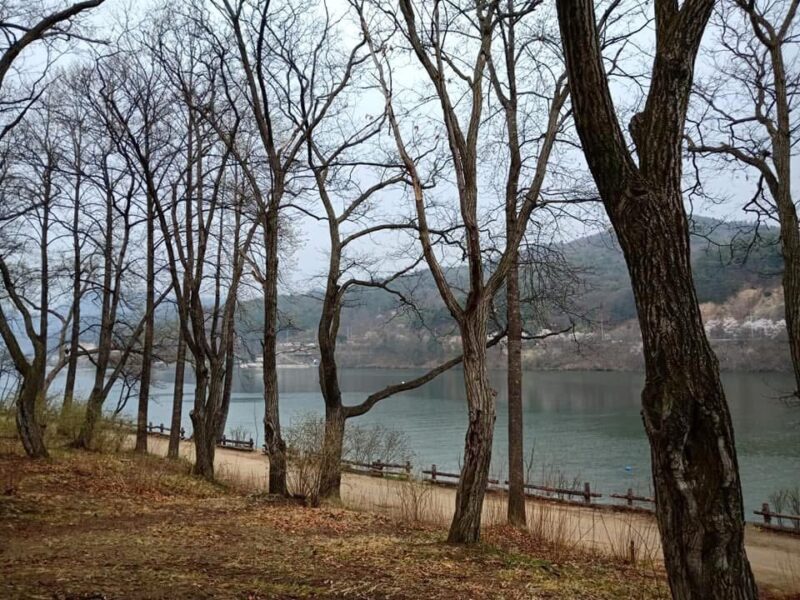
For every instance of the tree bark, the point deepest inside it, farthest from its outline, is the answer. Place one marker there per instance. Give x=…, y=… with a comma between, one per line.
x=147, y=348
x=177, y=398
x=203, y=425
x=332, y=447
x=31, y=431
x=276, y=447
x=75, y=331
x=790, y=249
x=227, y=387
x=94, y=405
x=686, y=417
x=466, y=524
x=516, y=460
x=780, y=187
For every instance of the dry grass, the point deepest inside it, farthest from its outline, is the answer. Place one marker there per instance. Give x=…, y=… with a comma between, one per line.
x=122, y=526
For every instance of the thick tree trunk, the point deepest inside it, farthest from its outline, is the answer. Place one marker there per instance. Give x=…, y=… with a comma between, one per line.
x=466, y=524
x=31, y=431
x=516, y=460
x=177, y=398
x=332, y=448
x=276, y=447
x=780, y=187
x=204, y=430
x=94, y=408
x=695, y=470
x=790, y=248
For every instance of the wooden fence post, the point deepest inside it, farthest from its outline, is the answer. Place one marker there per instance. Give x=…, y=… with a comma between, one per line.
x=587, y=492
x=433, y=473
x=408, y=469
x=767, y=515
x=161, y=427
x=630, y=499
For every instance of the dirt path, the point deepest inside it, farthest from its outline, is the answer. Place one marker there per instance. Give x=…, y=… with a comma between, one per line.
x=775, y=558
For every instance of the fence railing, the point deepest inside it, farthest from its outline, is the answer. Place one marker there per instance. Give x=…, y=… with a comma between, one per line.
x=160, y=429
x=434, y=475
x=378, y=468
x=630, y=498
x=243, y=445
x=773, y=520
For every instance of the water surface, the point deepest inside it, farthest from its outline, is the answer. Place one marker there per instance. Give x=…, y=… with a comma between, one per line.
x=583, y=426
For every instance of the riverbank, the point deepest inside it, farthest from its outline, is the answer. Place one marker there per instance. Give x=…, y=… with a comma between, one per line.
x=775, y=558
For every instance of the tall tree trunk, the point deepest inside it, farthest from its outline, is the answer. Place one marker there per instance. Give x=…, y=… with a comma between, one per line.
x=686, y=417
x=695, y=469
x=335, y=414
x=276, y=447
x=466, y=524
x=332, y=447
x=94, y=404
x=203, y=426
x=227, y=387
x=147, y=348
x=516, y=461
x=790, y=249
x=780, y=187
x=177, y=398
x=75, y=332
x=31, y=431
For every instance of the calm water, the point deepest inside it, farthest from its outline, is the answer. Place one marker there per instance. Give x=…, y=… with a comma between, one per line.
x=583, y=425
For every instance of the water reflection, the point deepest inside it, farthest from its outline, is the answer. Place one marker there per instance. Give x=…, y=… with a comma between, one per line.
x=586, y=425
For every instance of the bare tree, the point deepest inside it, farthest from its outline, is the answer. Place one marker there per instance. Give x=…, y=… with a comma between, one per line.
x=27, y=280
x=261, y=33
x=545, y=84
x=746, y=118
x=695, y=471
x=438, y=36
x=22, y=26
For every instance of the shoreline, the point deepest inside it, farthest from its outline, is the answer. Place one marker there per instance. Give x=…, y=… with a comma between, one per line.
x=774, y=557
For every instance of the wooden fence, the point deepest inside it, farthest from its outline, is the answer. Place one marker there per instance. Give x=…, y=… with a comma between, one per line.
x=161, y=430
x=770, y=517
x=630, y=498
x=242, y=445
x=584, y=495
x=378, y=469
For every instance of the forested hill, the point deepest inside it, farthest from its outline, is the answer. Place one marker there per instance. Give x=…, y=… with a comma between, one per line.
x=726, y=258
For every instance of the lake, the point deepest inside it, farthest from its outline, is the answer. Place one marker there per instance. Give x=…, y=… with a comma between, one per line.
x=581, y=425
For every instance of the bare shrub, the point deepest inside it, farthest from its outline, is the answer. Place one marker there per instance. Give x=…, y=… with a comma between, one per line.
x=362, y=443
x=371, y=443
x=240, y=433
x=416, y=499
x=64, y=426
x=304, y=452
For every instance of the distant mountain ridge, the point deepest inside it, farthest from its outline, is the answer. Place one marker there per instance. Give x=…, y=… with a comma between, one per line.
x=726, y=258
